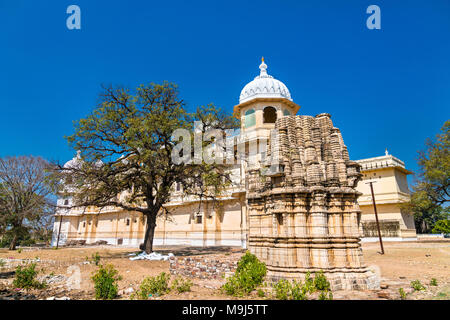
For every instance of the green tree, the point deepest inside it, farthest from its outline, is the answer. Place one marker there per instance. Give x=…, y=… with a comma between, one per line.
x=26, y=189
x=442, y=226
x=434, y=165
x=126, y=147
x=431, y=190
x=426, y=211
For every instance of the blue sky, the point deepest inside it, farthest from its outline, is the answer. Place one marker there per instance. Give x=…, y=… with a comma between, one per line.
x=387, y=88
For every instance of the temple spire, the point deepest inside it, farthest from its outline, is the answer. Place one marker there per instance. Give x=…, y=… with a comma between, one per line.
x=263, y=68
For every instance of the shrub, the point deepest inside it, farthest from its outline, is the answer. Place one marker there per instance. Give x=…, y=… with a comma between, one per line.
x=182, y=285
x=158, y=285
x=96, y=258
x=402, y=294
x=323, y=295
x=105, y=282
x=2, y=263
x=261, y=293
x=282, y=289
x=298, y=291
x=249, y=274
x=442, y=226
x=320, y=282
x=417, y=285
x=26, y=277
x=433, y=282
x=286, y=290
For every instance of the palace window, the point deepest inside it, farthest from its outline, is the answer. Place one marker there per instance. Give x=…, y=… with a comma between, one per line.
x=249, y=119
x=66, y=202
x=270, y=115
x=128, y=222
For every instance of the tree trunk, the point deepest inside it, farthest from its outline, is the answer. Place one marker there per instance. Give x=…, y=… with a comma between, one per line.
x=12, y=245
x=149, y=233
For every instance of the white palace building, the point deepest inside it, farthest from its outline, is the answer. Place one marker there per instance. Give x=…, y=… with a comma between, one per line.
x=261, y=102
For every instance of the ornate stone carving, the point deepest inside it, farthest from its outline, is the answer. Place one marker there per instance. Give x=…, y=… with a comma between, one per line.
x=305, y=217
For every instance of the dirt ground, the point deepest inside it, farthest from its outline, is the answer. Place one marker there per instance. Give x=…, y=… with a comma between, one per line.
x=402, y=263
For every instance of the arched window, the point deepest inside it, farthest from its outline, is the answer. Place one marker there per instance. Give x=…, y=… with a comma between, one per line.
x=270, y=115
x=286, y=112
x=249, y=120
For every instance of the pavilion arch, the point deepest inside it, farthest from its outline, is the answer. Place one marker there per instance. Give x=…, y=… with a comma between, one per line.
x=270, y=115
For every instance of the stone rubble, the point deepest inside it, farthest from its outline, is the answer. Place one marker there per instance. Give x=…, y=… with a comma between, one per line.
x=201, y=268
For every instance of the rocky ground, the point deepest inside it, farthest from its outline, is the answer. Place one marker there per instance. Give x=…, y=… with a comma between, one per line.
x=401, y=264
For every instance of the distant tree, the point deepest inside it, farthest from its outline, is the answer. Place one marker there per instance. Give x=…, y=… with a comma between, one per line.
x=126, y=148
x=434, y=165
x=431, y=189
x=25, y=194
x=442, y=226
x=426, y=211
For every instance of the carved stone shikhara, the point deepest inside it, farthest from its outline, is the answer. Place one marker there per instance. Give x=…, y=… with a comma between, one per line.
x=303, y=213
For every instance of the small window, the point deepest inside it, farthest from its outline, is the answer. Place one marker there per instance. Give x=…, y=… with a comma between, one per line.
x=128, y=222
x=119, y=241
x=66, y=202
x=198, y=219
x=270, y=115
x=84, y=224
x=249, y=119
x=178, y=186
x=279, y=219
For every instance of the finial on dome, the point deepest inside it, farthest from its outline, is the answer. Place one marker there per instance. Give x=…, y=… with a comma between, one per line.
x=263, y=68
x=386, y=152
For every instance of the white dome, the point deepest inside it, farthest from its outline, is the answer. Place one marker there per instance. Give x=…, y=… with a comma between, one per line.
x=264, y=86
x=74, y=163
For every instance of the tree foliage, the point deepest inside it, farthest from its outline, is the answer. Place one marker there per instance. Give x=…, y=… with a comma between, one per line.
x=126, y=146
x=434, y=165
x=431, y=190
x=26, y=188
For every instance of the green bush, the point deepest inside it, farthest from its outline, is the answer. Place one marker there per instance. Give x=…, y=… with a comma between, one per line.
x=282, y=289
x=417, y=285
x=320, y=282
x=182, y=285
x=260, y=292
x=293, y=290
x=298, y=291
x=433, y=282
x=96, y=258
x=442, y=226
x=402, y=294
x=105, y=282
x=25, y=278
x=249, y=274
x=158, y=285
x=2, y=263
x=323, y=295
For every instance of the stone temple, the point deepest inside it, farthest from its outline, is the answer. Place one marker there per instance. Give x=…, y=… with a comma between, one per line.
x=303, y=211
